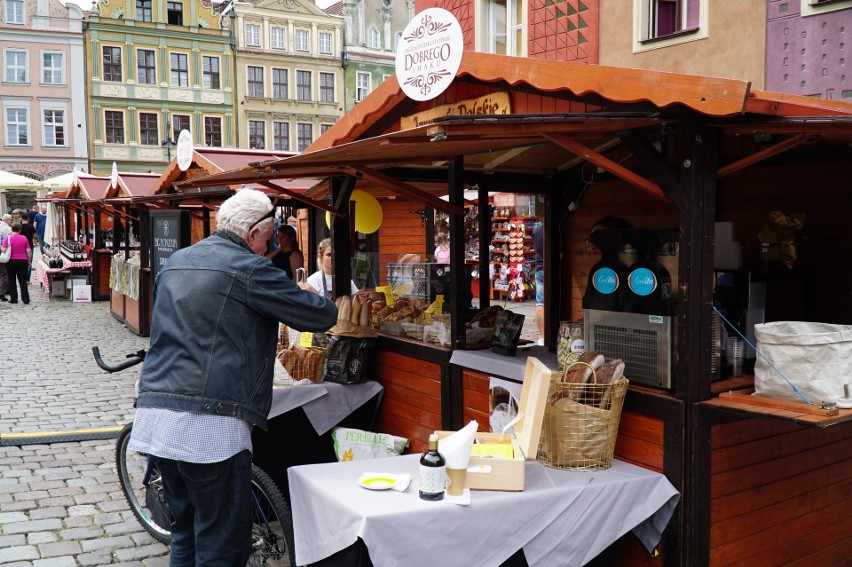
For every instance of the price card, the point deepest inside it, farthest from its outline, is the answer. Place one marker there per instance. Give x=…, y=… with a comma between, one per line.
x=388, y=291
x=306, y=340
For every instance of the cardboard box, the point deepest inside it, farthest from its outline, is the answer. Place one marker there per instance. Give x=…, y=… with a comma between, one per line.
x=485, y=473
x=81, y=294
x=57, y=288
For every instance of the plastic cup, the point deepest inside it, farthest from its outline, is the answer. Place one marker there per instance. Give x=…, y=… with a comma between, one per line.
x=735, y=355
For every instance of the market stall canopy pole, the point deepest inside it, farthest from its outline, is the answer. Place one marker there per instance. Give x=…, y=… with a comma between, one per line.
x=300, y=197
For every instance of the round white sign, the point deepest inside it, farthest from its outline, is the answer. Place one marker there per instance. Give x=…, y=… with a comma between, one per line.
x=184, y=150
x=429, y=54
x=113, y=178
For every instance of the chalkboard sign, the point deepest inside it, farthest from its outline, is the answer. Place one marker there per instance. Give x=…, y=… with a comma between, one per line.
x=169, y=232
x=507, y=332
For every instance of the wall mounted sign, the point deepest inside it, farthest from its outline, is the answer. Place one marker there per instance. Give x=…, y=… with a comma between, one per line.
x=491, y=104
x=429, y=54
x=169, y=232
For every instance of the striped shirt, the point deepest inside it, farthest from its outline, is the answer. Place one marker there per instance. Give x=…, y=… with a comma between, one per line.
x=188, y=437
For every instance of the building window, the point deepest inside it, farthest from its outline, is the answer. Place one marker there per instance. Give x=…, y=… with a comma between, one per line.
x=148, y=129
x=17, y=127
x=143, y=10
x=180, y=122
x=256, y=134
x=666, y=17
x=14, y=11
x=51, y=69
x=253, y=35
x=277, y=38
x=279, y=83
x=16, y=67
x=304, y=136
x=326, y=87
x=373, y=38
x=213, y=132
x=505, y=27
x=211, y=72
x=114, y=126
x=146, y=71
x=397, y=38
x=281, y=136
x=303, y=85
x=179, y=67
x=54, y=127
x=174, y=11
x=112, y=63
x=301, y=40
x=362, y=85
x=325, y=43
x=324, y=128
x=255, y=81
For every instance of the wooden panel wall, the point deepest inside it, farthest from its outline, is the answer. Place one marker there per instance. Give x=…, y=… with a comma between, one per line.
x=640, y=441
x=475, y=399
x=411, y=406
x=401, y=233
x=781, y=494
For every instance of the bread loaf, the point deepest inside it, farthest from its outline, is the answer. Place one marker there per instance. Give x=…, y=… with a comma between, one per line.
x=597, y=393
x=582, y=372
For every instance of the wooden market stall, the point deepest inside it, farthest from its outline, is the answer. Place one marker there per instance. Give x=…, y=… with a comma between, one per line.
x=150, y=204
x=760, y=484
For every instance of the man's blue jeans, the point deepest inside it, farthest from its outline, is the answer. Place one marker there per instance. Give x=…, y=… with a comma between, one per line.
x=211, y=507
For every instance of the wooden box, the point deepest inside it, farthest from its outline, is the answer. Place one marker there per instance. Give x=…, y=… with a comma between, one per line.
x=484, y=473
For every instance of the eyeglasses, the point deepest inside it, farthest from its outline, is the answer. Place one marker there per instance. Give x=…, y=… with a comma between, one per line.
x=268, y=215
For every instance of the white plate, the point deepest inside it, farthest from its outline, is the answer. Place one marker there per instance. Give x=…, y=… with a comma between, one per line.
x=378, y=482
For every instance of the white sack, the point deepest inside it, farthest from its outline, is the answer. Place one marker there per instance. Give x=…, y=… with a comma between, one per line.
x=816, y=357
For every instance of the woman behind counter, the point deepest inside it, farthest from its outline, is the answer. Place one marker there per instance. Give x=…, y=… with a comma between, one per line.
x=320, y=280
x=287, y=256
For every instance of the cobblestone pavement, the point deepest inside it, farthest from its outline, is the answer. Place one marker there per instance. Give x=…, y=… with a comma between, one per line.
x=60, y=503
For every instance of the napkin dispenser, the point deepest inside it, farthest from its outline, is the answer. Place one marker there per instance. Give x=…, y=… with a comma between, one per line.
x=490, y=473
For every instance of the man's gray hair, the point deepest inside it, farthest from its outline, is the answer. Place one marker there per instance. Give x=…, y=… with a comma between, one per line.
x=239, y=212
x=7, y=217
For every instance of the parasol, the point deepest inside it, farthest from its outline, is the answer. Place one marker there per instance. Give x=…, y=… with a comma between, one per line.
x=13, y=181
x=60, y=182
x=52, y=232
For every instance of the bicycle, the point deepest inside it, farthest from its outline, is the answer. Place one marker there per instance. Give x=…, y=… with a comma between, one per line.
x=142, y=485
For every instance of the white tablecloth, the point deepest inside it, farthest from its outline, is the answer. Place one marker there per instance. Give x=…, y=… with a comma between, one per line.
x=561, y=517
x=325, y=404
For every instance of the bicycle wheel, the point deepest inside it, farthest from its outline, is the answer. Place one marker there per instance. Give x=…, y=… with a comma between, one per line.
x=148, y=503
x=272, y=524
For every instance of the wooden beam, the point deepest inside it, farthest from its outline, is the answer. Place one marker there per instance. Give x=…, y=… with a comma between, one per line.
x=602, y=161
x=651, y=160
x=300, y=197
x=770, y=405
x=754, y=158
x=404, y=189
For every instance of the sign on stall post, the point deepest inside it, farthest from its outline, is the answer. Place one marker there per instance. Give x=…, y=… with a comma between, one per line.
x=429, y=55
x=169, y=233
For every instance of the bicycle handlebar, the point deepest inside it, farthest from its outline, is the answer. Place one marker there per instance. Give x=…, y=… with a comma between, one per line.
x=135, y=358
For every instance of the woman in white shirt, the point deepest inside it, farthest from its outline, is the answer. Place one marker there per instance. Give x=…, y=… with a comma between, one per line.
x=320, y=280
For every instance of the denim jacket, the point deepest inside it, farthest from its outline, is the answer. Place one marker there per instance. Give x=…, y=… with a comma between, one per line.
x=215, y=327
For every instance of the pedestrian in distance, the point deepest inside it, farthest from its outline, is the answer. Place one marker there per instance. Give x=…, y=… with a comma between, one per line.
x=207, y=378
x=18, y=264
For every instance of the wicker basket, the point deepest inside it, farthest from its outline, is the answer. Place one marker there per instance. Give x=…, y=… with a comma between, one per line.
x=303, y=362
x=581, y=424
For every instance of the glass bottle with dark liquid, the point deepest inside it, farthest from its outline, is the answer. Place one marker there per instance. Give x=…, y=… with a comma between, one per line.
x=433, y=472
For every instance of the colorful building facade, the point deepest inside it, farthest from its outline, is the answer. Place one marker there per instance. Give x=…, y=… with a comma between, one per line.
x=42, y=96
x=156, y=67
x=289, y=84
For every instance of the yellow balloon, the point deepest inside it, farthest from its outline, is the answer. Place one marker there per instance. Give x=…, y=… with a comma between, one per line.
x=368, y=212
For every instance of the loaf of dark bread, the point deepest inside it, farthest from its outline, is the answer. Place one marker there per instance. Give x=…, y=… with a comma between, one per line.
x=596, y=393
x=581, y=373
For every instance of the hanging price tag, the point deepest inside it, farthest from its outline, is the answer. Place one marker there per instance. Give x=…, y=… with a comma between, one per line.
x=388, y=291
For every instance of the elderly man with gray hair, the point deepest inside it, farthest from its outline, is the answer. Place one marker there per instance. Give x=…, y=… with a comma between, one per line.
x=207, y=378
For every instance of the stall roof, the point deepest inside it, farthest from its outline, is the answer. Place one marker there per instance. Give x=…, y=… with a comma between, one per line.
x=89, y=187
x=367, y=140
x=133, y=184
